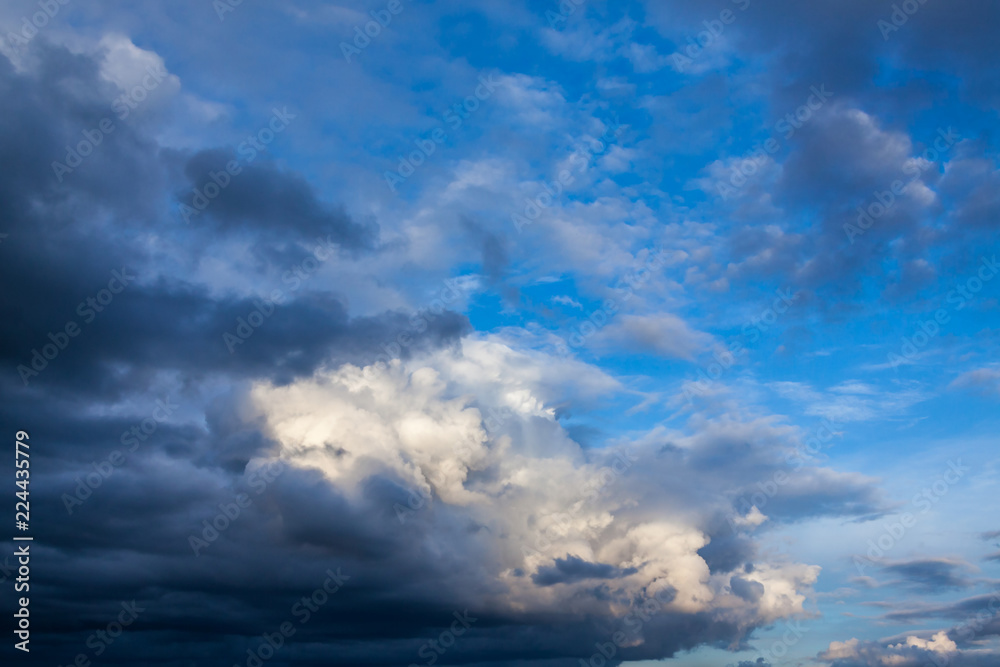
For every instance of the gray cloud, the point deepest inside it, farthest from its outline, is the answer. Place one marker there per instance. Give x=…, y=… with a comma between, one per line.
x=930, y=574
x=572, y=569
x=275, y=202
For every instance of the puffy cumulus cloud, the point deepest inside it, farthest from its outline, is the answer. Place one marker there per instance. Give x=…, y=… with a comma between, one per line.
x=938, y=644
x=482, y=467
x=912, y=652
x=970, y=643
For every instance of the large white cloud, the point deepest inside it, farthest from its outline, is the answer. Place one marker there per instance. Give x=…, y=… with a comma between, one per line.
x=566, y=529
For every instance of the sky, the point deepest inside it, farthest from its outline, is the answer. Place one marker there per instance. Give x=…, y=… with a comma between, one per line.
x=527, y=334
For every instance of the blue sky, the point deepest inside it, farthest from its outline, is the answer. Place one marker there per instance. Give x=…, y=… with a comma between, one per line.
x=705, y=234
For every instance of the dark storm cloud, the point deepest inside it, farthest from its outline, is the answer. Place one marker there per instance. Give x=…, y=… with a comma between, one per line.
x=263, y=197
x=178, y=327
x=58, y=257
x=572, y=569
x=129, y=537
x=50, y=114
x=251, y=576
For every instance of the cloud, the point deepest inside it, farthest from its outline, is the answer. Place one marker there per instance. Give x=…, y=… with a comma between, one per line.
x=437, y=488
x=928, y=575
x=982, y=380
x=748, y=590
x=574, y=569
x=912, y=652
x=272, y=201
x=567, y=301
x=662, y=334
x=850, y=400
x=543, y=528
x=759, y=662
x=468, y=471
